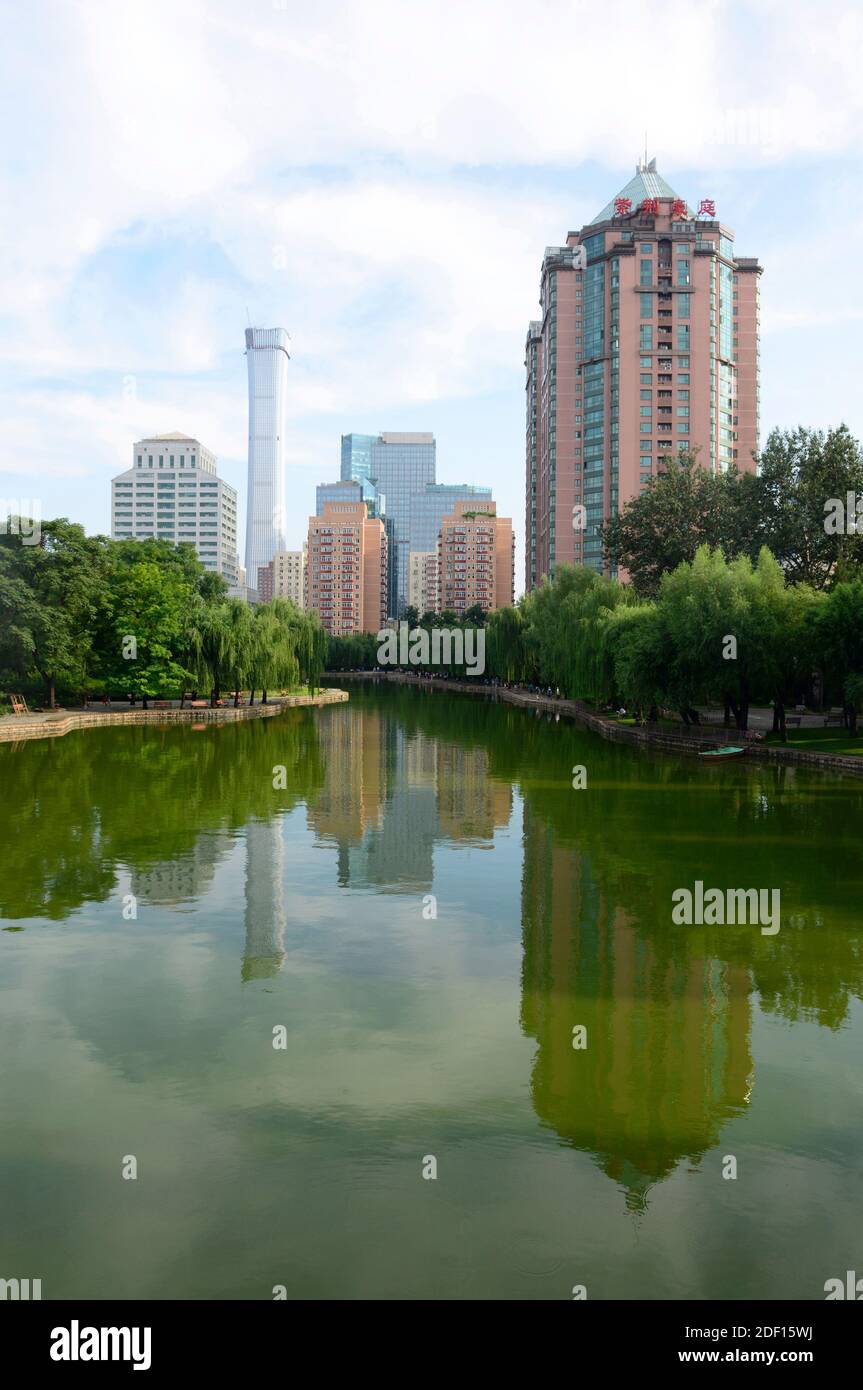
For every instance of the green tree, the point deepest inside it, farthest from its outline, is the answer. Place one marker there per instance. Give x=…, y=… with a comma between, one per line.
x=505, y=650
x=799, y=471
x=680, y=509
x=208, y=640
x=51, y=596
x=143, y=636
x=838, y=628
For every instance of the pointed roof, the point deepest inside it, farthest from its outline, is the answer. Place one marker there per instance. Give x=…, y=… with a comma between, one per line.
x=647, y=183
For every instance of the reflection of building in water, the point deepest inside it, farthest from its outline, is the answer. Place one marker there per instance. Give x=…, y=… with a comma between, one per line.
x=391, y=792
x=265, y=916
x=169, y=882
x=471, y=806
x=354, y=758
x=397, y=854
x=667, y=1060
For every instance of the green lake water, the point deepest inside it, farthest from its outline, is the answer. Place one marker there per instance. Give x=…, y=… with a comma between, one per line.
x=428, y=909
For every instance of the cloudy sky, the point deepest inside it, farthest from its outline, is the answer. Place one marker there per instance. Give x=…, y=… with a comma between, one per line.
x=381, y=178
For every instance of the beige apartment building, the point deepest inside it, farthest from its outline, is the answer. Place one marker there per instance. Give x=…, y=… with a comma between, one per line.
x=284, y=577
x=423, y=581
x=346, y=569
x=476, y=558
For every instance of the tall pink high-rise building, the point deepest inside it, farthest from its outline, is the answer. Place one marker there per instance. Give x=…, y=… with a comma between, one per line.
x=648, y=344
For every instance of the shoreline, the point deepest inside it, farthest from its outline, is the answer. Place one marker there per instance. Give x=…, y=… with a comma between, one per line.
x=19, y=728
x=663, y=739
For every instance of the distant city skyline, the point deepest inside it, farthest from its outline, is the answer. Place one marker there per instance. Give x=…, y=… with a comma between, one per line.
x=395, y=228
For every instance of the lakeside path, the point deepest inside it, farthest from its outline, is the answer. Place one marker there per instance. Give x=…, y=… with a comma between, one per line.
x=693, y=740
x=15, y=728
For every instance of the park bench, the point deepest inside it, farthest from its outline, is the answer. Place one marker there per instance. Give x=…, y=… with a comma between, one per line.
x=834, y=719
x=162, y=704
x=200, y=704
x=794, y=719
x=18, y=703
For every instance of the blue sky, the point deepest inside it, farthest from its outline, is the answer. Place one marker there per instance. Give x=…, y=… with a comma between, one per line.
x=381, y=179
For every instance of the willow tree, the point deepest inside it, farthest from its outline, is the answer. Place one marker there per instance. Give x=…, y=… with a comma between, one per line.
x=838, y=631
x=504, y=638
x=208, y=644
x=240, y=624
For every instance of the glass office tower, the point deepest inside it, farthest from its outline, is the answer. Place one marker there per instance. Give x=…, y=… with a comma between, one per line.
x=402, y=469
x=399, y=465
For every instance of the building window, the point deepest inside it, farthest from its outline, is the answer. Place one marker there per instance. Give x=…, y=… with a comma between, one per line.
x=646, y=305
x=644, y=395
x=646, y=378
x=647, y=248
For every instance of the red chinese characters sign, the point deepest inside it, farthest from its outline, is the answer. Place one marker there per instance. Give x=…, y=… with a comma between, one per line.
x=707, y=208
x=650, y=206
x=622, y=206
x=679, y=210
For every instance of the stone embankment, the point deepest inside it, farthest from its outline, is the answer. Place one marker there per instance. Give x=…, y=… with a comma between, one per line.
x=695, y=739
x=53, y=723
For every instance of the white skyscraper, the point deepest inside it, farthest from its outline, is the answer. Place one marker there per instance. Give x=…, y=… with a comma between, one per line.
x=267, y=356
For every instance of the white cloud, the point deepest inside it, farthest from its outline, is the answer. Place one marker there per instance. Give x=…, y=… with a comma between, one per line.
x=380, y=178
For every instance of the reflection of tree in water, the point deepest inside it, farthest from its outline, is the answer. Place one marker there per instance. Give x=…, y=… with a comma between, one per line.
x=667, y=1057
x=81, y=807
x=667, y=1010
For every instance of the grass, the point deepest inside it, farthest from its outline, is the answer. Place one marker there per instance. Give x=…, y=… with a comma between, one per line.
x=630, y=719
x=837, y=741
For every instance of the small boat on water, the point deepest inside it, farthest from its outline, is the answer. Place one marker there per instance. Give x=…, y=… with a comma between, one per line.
x=722, y=755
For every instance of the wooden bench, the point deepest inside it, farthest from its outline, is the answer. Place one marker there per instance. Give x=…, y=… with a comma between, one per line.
x=200, y=704
x=18, y=703
x=794, y=720
x=835, y=721
x=161, y=704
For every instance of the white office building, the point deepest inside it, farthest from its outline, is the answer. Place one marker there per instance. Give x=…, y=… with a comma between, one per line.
x=267, y=360
x=172, y=492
